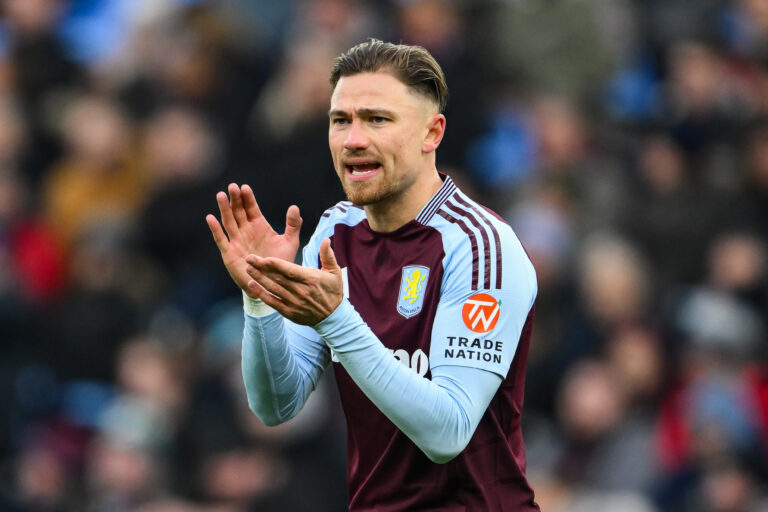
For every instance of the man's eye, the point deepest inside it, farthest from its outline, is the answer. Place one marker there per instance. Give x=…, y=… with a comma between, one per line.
x=378, y=119
x=338, y=120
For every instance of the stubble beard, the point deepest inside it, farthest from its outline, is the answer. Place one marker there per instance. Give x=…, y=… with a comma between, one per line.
x=363, y=196
x=365, y=193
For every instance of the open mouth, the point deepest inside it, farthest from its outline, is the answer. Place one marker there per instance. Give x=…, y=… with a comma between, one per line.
x=363, y=170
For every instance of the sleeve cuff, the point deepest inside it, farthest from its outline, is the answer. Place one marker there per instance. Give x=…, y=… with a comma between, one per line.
x=336, y=320
x=256, y=307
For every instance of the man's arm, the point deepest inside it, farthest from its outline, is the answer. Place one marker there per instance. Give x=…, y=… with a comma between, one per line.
x=281, y=365
x=438, y=415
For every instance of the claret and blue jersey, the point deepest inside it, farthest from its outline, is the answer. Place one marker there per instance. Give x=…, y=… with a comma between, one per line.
x=453, y=288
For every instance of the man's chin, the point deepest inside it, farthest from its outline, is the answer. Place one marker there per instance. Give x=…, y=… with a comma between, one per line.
x=363, y=196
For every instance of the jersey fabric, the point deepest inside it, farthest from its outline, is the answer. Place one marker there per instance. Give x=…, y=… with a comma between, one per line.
x=452, y=287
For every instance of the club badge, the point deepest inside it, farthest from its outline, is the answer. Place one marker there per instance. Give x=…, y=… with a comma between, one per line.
x=412, y=288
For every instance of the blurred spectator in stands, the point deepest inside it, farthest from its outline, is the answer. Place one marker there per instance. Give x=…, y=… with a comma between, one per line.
x=554, y=48
x=599, y=454
x=705, y=103
x=13, y=133
x=193, y=55
x=97, y=313
x=605, y=447
x=34, y=260
x=717, y=408
x=45, y=469
x=667, y=215
x=98, y=179
x=749, y=207
x=615, y=282
x=41, y=74
x=738, y=265
x=181, y=159
x=571, y=158
x=124, y=467
x=635, y=355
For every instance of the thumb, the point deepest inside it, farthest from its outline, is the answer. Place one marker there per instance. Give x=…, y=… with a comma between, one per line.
x=327, y=258
x=292, y=222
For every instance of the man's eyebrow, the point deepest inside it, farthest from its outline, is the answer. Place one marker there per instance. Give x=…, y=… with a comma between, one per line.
x=365, y=112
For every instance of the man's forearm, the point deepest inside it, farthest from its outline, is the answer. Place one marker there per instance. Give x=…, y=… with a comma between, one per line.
x=280, y=367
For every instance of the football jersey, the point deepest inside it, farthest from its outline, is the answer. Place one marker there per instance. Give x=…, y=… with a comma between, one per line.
x=453, y=287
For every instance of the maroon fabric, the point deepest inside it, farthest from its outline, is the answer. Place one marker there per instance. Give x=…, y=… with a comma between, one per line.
x=386, y=471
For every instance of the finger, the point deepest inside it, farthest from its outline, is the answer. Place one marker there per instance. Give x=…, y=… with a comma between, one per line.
x=259, y=292
x=276, y=268
x=249, y=203
x=218, y=234
x=293, y=222
x=327, y=258
x=269, y=284
x=237, y=204
x=227, y=219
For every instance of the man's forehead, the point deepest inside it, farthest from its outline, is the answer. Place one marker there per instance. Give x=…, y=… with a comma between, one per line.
x=379, y=89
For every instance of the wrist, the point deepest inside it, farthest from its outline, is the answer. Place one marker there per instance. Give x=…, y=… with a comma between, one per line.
x=255, y=307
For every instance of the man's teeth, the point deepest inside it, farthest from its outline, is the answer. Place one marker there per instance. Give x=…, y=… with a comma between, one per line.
x=366, y=169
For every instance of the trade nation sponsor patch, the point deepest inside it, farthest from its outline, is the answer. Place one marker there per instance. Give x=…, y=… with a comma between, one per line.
x=481, y=312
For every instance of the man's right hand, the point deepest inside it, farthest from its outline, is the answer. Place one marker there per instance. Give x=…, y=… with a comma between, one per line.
x=248, y=232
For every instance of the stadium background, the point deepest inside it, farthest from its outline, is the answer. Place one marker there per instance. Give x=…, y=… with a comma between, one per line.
x=625, y=141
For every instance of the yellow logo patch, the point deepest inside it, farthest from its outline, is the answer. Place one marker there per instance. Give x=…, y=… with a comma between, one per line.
x=412, y=287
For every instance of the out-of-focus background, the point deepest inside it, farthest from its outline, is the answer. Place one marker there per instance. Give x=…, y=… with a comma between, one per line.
x=626, y=142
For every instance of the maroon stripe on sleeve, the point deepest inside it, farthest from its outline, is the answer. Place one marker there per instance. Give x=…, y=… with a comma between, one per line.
x=472, y=239
x=486, y=243
x=495, y=233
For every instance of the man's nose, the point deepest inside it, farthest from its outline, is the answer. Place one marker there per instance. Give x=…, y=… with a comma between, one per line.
x=356, y=137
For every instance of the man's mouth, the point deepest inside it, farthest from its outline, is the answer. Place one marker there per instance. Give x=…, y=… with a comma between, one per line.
x=362, y=170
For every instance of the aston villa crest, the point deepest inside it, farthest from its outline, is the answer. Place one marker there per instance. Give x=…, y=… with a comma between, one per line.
x=412, y=287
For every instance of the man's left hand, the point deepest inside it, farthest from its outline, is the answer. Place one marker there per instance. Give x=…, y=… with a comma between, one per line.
x=301, y=294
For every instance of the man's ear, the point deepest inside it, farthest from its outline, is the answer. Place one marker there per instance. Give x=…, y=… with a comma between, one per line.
x=435, y=132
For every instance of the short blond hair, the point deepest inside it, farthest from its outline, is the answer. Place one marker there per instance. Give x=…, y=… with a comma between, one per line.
x=412, y=65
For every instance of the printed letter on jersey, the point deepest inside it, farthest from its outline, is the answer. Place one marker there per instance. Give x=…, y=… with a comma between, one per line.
x=481, y=312
x=412, y=288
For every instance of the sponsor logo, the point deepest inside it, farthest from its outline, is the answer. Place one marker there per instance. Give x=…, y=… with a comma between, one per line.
x=412, y=286
x=476, y=349
x=481, y=312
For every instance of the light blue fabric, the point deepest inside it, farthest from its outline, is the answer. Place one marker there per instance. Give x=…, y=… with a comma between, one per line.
x=281, y=367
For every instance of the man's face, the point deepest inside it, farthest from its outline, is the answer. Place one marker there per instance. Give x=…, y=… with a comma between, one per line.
x=377, y=129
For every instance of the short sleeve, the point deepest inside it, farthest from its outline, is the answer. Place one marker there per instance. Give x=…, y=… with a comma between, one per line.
x=480, y=326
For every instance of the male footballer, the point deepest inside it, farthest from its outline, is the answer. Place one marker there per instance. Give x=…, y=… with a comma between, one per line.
x=421, y=299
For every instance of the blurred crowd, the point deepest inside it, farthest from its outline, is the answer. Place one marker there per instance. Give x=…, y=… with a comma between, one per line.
x=625, y=141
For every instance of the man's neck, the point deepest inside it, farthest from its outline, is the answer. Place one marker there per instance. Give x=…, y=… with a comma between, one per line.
x=394, y=212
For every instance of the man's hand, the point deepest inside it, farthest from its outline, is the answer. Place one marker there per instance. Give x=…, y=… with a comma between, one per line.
x=248, y=232
x=304, y=295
